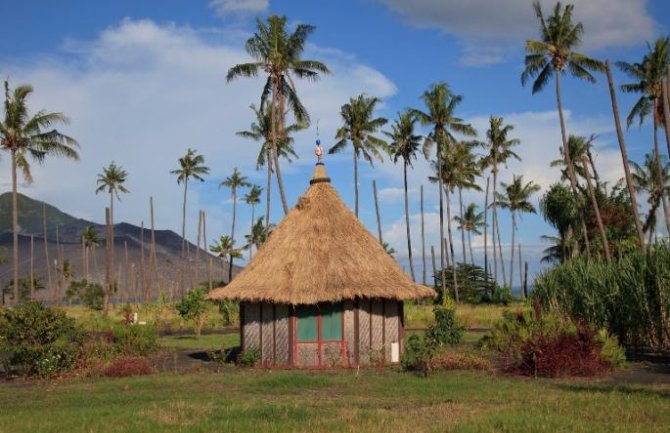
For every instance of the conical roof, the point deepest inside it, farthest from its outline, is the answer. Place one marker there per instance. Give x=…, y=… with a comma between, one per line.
x=320, y=252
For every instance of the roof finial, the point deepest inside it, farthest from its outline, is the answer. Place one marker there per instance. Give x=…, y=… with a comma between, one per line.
x=318, y=151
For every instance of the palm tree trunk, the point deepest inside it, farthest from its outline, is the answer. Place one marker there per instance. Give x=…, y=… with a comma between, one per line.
x=596, y=209
x=197, y=250
x=657, y=156
x=143, y=269
x=268, y=188
x=232, y=237
x=152, y=257
x=32, y=267
x=273, y=119
x=432, y=258
x=666, y=109
x=108, y=267
x=522, y=278
x=486, y=229
x=356, y=183
x=280, y=182
x=46, y=245
x=440, y=181
x=409, y=237
x=568, y=163
x=511, y=256
x=15, y=228
x=251, y=230
x=183, y=240
x=500, y=251
x=496, y=230
x=460, y=205
x=451, y=247
x=423, y=241
x=624, y=156
x=472, y=256
x=379, y=217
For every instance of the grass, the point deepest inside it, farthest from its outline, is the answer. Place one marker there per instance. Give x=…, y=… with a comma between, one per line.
x=209, y=341
x=470, y=316
x=302, y=401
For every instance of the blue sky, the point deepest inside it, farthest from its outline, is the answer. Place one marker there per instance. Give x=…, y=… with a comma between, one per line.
x=143, y=81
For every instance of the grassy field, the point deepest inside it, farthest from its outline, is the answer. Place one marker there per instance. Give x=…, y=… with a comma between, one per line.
x=301, y=401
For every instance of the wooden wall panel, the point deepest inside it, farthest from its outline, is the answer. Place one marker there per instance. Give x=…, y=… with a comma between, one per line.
x=391, y=320
x=308, y=355
x=349, y=333
x=281, y=335
x=267, y=334
x=252, y=325
x=377, y=324
x=364, y=331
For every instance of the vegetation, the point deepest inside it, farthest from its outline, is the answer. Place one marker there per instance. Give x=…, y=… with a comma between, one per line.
x=193, y=308
x=234, y=182
x=88, y=293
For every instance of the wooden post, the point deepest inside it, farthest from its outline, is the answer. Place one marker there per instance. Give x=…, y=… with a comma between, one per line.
x=56, y=293
x=379, y=220
x=525, y=279
x=197, y=250
x=126, y=266
x=32, y=267
x=432, y=257
x=521, y=276
x=152, y=255
x=486, y=228
x=143, y=270
x=423, y=239
x=108, y=266
x=204, y=243
x=46, y=246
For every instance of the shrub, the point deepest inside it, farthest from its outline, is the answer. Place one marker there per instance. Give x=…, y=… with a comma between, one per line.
x=135, y=340
x=193, y=308
x=250, y=357
x=41, y=341
x=230, y=312
x=446, y=331
x=457, y=360
x=128, y=366
x=417, y=355
x=86, y=292
x=610, y=350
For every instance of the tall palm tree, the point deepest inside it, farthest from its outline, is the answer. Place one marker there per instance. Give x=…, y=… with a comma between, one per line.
x=359, y=125
x=440, y=107
x=29, y=137
x=234, y=182
x=278, y=53
x=560, y=211
x=471, y=221
x=226, y=248
x=89, y=237
x=404, y=145
x=111, y=181
x=516, y=199
x=252, y=198
x=498, y=151
x=649, y=75
x=656, y=183
x=466, y=169
x=554, y=55
x=261, y=130
x=258, y=234
x=191, y=165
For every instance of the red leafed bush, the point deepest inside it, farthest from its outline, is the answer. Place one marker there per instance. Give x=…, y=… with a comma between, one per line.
x=128, y=366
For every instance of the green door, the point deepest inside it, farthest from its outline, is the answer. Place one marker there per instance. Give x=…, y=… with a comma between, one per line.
x=327, y=317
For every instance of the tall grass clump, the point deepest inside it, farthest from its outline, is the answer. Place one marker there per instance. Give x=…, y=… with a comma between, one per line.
x=629, y=296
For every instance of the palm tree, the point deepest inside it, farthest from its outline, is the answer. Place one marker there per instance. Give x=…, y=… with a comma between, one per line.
x=555, y=55
x=191, y=165
x=252, y=198
x=23, y=137
x=440, y=106
x=650, y=73
x=404, y=145
x=226, y=248
x=466, y=169
x=499, y=150
x=471, y=221
x=89, y=237
x=112, y=180
x=278, y=53
x=359, y=125
x=261, y=130
x=579, y=149
x=258, y=235
x=656, y=183
x=234, y=181
x=516, y=199
x=560, y=211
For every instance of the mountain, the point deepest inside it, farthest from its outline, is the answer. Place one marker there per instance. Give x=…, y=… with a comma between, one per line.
x=132, y=247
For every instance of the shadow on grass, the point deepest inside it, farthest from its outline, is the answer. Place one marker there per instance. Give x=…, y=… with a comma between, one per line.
x=618, y=388
x=227, y=356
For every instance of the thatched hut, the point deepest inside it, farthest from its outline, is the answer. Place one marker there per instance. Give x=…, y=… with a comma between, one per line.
x=322, y=291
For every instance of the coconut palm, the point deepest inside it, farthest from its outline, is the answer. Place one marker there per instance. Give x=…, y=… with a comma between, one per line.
x=656, y=183
x=278, y=53
x=498, y=150
x=226, y=248
x=234, y=182
x=191, y=165
x=471, y=221
x=516, y=199
x=560, y=211
x=404, y=145
x=554, y=55
x=90, y=240
x=359, y=125
x=111, y=181
x=27, y=137
x=466, y=170
x=440, y=107
x=261, y=130
x=252, y=198
x=258, y=235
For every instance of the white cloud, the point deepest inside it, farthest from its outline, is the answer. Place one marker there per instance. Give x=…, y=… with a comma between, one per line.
x=141, y=94
x=490, y=28
x=226, y=7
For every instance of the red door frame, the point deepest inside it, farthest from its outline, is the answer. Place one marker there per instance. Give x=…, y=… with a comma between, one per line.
x=319, y=341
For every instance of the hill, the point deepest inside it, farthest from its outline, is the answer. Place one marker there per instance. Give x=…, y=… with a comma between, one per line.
x=30, y=214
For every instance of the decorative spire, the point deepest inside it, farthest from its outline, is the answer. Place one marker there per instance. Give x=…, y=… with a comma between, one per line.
x=318, y=151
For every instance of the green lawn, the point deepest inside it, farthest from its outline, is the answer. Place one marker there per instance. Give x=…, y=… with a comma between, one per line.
x=301, y=401
x=210, y=341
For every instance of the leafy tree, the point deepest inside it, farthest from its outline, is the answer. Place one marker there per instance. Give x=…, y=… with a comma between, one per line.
x=278, y=53
x=258, y=235
x=404, y=145
x=27, y=138
x=112, y=180
x=471, y=221
x=86, y=292
x=656, y=183
x=90, y=240
x=24, y=289
x=234, y=181
x=193, y=308
x=252, y=198
x=226, y=248
x=359, y=125
x=560, y=211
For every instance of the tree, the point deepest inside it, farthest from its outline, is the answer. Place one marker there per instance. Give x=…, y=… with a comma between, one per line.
x=404, y=145
x=258, y=235
x=471, y=221
x=498, y=151
x=278, y=53
x=193, y=308
x=554, y=55
x=226, y=248
x=234, y=181
x=27, y=137
x=466, y=169
x=359, y=125
x=89, y=237
x=656, y=183
x=252, y=198
x=440, y=106
x=261, y=130
x=516, y=199
x=191, y=165
x=559, y=209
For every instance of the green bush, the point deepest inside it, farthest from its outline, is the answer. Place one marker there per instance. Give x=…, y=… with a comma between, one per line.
x=446, y=331
x=135, y=340
x=230, y=312
x=193, y=308
x=250, y=357
x=88, y=293
x=41, y=341
x=610, y=349
x=418, y=354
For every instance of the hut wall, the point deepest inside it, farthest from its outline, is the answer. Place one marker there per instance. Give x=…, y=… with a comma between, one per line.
x=391, y=327
x=282, y=348
x=267, y=334
x=349, y=334
x=364, y=331
x=377, y=332
x=266, y=327
x=251, y=328
x=379, y=326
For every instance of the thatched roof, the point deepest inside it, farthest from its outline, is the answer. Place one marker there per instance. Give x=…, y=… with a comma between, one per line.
x=321, y=252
